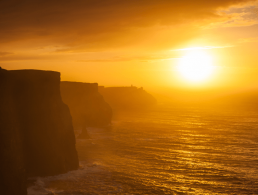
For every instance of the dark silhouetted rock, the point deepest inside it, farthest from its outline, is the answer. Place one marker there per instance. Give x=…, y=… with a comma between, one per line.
x=87, y=106
x=12, y=165
x=36, y=131
x=84, y=134
x=127, y=97
x=45, y=120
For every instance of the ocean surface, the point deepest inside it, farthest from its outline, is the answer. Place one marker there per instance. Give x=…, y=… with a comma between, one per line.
x=165, y=150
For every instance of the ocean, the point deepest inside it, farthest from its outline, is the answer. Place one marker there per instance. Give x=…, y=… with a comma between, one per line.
x=165, y=150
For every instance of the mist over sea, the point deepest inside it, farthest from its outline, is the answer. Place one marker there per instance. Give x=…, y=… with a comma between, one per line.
x=165, y=150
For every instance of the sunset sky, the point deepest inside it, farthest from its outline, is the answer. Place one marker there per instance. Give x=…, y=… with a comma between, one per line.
x=138, y=42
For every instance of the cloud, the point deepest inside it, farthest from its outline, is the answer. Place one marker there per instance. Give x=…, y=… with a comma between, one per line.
x=94, y=24
x=202, y=48
x=5, y=54
x=132, y=58
x=248, y=40
x=24, y=57
x=237, y=16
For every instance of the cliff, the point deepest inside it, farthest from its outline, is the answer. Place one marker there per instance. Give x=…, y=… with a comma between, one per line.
x=127, y=97
x=46, y=123
x=88, y=108
x=36, y=128
x=12, y=162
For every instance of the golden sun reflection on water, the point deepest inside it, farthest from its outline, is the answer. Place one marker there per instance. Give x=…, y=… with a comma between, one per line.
x=195, y=153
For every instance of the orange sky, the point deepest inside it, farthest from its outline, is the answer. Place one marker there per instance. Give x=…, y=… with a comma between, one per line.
x=115, y=42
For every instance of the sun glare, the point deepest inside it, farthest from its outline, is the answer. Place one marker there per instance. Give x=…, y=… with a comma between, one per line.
x=196, y=66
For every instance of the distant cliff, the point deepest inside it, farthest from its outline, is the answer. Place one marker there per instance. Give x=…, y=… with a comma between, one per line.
x=88, y=108
x=127, y=97
x=36, y=128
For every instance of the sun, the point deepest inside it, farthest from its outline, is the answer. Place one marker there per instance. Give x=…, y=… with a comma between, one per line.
x=196, y=66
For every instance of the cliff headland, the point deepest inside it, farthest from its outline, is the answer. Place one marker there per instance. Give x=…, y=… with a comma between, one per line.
x=127, y=97
x=88, y=108
x=13, y=178
x=36, y=131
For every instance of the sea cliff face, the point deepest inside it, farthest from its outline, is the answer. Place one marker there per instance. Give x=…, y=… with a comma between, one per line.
x=127, y=97
x=12, y=162
x=88, y=108
x=36, y=128
x=46, y=123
